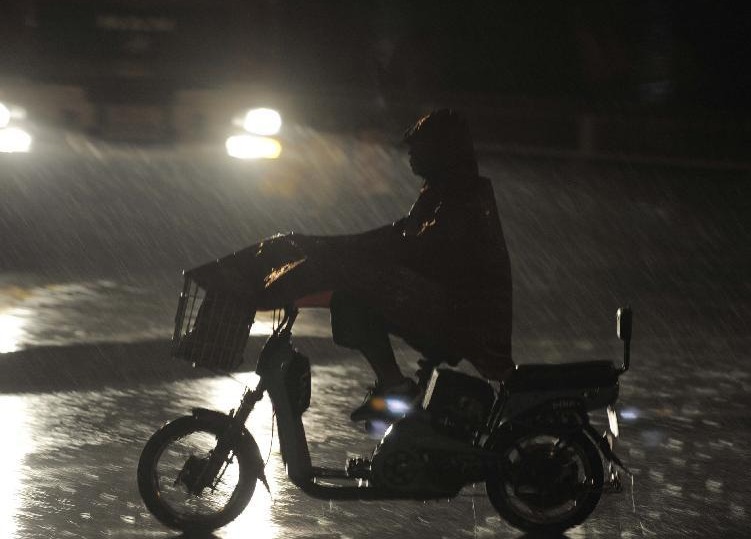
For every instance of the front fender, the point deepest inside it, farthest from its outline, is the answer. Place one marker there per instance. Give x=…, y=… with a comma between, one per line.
x=246, y=438
x=211, y=415
x=226, y=421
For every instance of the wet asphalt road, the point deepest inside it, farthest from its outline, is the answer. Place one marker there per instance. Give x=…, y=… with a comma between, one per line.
x=94, y=240
x=70, y=471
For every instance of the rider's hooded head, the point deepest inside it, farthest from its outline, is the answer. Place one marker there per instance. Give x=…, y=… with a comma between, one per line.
x=440, y=146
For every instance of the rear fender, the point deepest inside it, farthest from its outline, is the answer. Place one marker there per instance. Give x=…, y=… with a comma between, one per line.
x=604, y=446
x=558, y=417
x=561, y=415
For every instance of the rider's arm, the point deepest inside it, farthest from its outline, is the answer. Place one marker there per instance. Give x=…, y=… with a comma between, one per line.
x=379, y=244
x=315, y=264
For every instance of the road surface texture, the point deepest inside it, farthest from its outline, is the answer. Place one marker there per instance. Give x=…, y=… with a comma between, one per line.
x=95, y=237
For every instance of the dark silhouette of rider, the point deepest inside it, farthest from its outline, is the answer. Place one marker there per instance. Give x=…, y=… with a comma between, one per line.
x=439, y=278
x=444, y=267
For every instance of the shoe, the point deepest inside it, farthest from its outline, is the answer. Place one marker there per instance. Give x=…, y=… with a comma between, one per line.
x=387, y=403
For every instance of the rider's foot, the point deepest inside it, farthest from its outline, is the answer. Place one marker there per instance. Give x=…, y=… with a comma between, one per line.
x=387, y=403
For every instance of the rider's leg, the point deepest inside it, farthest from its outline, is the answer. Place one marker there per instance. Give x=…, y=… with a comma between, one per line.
x=379, y=354
x=354, y=325
x=439, y=323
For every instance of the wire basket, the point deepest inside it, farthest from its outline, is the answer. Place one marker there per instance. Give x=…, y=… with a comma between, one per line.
x=211, y=328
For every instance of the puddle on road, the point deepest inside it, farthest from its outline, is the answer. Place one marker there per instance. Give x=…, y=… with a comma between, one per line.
x=71, y=468
x=64, y=313
x=13, y=410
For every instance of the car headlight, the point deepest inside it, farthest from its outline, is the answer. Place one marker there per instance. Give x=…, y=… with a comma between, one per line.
x=14, y=140
x=253, y=147
x=262, y=121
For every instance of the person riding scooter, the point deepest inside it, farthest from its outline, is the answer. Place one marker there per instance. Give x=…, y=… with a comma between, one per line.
x=439, y=277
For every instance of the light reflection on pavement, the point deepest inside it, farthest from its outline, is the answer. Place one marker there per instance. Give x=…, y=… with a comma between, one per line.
x=70, y=468
x=94, y=247
x=37, y=312
x=13, y=410
x=78, y=476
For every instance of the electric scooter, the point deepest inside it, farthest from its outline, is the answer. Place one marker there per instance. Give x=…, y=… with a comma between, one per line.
x=530, y=441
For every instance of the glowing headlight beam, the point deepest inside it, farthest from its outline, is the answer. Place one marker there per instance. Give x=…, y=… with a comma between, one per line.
x=629, y=414
x=397, y=406
x=253, y=147
x=14, y=140
x=262, y=122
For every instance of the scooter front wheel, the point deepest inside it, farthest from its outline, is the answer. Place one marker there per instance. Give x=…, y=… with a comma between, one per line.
x=171, y=469
x=547, y=483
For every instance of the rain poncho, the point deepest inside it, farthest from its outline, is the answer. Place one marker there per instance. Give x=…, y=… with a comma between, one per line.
x=441, y=274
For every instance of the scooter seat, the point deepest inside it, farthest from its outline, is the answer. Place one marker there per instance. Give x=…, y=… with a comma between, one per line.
x=547, y=377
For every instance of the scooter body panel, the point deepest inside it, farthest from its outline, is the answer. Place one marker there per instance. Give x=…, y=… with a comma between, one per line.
x=414, y=456
x=288, y=385
x=519, y=403
x=415, y=460
x=286, y=377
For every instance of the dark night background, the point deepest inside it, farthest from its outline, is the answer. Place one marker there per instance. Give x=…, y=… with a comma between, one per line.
x=677, y=67
x=610, y=52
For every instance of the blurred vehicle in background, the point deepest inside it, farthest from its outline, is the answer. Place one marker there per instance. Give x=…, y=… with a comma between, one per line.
x=256, y=142
x=624, y=80
x=13, y=137
x=144, y=72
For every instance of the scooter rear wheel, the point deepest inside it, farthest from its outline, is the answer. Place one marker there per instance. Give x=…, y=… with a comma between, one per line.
x=547, y=483
x=173, y=459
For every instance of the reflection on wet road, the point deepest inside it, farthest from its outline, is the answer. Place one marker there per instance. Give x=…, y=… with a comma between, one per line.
x=77, y=474
x=56, y=313
x=38, y=313
x=70, y=468
x=14, y=410
x=93, y=246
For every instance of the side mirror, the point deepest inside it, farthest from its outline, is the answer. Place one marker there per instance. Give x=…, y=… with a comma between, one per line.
x=623, y=324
